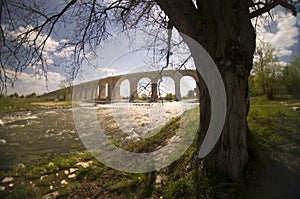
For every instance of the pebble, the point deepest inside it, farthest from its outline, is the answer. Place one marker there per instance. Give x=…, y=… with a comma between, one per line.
x=72, y=170
x=11, y=185
x=2, y=141
x=84, y=164
x=42, y=177
x=7, y=179
x=296, y=108
x=66, y=172
x=20, y=166
x=158, y=180
x=2, y=188
x=72, y=175
x=63, y=182
x=52, y=195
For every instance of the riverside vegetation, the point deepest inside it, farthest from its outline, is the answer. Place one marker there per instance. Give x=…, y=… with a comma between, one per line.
x=15, y=104
x=272, y=172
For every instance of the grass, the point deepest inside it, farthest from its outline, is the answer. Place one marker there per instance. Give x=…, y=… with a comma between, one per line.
x=274, y=154
x=8, y=104
x=273, y=145
x=277, y=130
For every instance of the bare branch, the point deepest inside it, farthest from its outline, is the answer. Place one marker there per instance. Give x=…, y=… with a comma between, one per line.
x=264, y=7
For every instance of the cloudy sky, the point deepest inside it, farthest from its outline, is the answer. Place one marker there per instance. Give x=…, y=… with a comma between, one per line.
x=281, y=33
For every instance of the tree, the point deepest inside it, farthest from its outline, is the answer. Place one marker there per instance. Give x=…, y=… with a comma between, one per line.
x=222, y=27
x=144, y=97
x=268, y=71
x=15, y=95
x=65, y=89
x=169, y=97
x=291, y=78
x=191, y=94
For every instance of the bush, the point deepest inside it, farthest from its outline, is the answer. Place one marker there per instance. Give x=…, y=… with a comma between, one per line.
x=169, y=97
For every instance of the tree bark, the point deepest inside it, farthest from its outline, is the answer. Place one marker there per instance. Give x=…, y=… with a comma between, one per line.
x=229, y=155
x=224, y=29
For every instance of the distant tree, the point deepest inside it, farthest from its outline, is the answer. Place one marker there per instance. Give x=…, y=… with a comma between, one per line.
x=169, y=97
x=191, y=94
x=65, y=88
x=268, y=71
x=291, y=78
x=15, y=95
x=32, y=95
x=144, y=97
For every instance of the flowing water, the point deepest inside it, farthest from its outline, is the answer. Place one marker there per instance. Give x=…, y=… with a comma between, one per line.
x=44, y=133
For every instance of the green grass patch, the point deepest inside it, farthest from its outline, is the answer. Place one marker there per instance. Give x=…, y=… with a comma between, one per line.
x=8, y=104
x=277, y=130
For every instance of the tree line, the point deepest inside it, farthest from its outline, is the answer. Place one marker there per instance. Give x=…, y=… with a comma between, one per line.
x=272, y=78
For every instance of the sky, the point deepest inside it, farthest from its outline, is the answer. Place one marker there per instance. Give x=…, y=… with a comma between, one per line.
x=115, y=58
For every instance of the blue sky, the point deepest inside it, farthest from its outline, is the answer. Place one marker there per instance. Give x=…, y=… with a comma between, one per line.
x=114, y=57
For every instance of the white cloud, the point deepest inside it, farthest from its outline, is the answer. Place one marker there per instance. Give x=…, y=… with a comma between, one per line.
x=52, y=49
x=282, y=34
x=65, y=52
x=29, y=83
x=284, y=52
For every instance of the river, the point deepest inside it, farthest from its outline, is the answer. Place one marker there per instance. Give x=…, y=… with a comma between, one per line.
x=42, y=133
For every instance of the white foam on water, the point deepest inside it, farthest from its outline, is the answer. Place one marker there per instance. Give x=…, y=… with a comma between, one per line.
x=50, y=112
x=2, y=141
x=33, y=117
x=16, y=126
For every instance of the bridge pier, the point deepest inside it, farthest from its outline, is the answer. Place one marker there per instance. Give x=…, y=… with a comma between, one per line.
x=116, y=92
x=102, y=94
x=177, y=89
x=154, y=96
x=133, y=90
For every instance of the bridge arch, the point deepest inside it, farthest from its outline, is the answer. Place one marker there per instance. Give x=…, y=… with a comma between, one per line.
x=125, y=89
x=166, y=85
x=144, y=87
x=187, y=83
x=109, y=88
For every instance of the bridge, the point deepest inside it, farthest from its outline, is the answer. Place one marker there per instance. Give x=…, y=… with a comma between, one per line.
x=108, y=89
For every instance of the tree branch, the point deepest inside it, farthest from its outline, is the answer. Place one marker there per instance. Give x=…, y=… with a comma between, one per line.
x=268, y=5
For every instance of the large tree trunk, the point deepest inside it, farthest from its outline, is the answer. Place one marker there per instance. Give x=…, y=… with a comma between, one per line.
x=229, y=155
x=231, y=44
x=224, y=29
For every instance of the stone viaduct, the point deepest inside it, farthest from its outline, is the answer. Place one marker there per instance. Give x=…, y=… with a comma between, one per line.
x=108, y=88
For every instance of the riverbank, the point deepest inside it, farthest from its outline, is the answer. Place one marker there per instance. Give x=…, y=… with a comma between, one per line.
x=273, y=170
x=10, y=104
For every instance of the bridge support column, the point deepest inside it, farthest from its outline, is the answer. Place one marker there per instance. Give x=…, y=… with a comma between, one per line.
x=177, y=89
x=110, y=90
x=133, y=90
x=102, y=92
x=154, y=96
x=116, y=93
